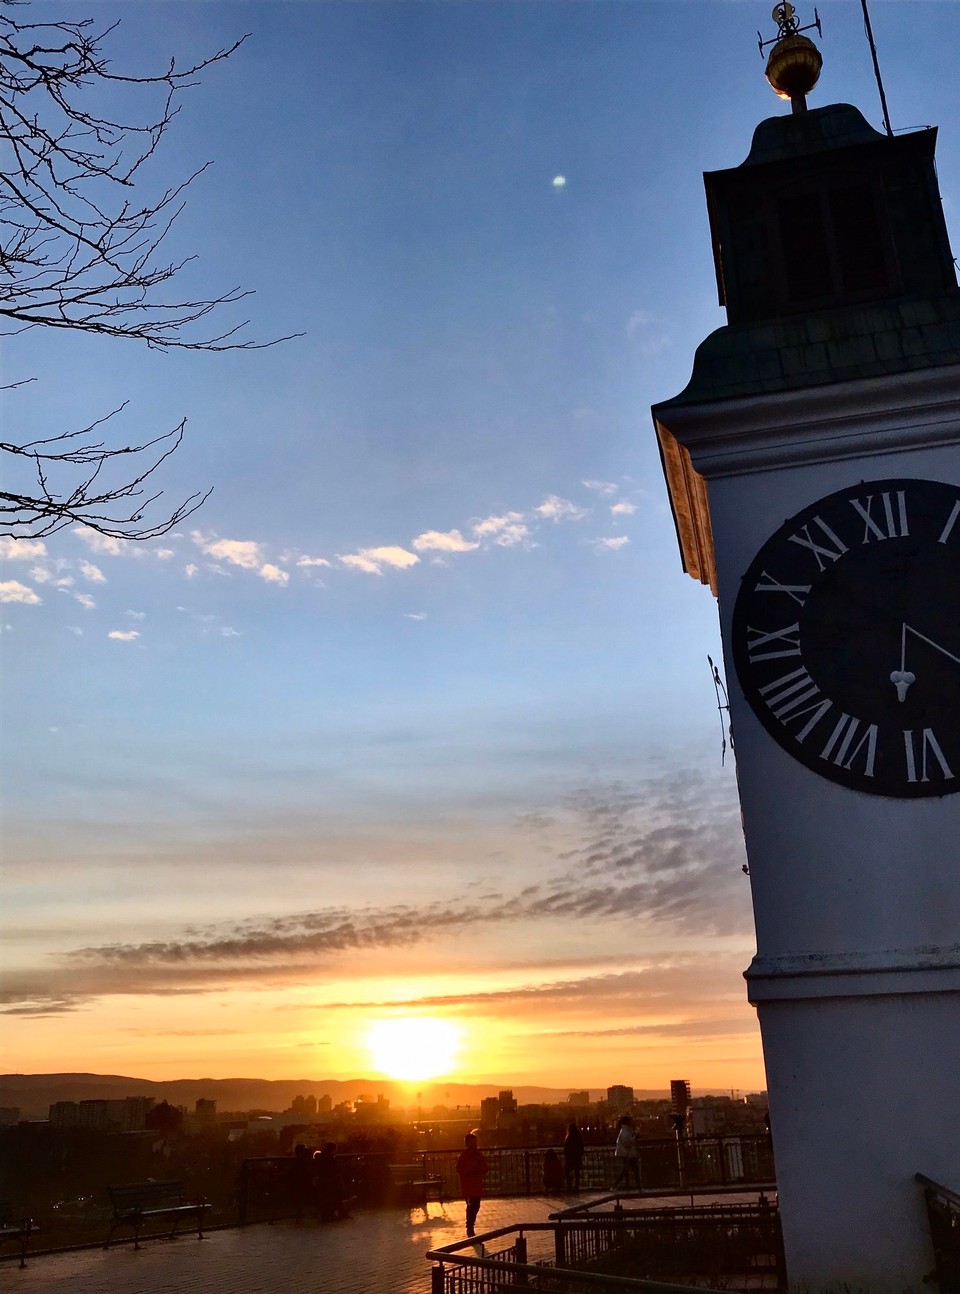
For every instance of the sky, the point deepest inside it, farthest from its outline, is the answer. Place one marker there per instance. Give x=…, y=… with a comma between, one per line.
x=414, y=718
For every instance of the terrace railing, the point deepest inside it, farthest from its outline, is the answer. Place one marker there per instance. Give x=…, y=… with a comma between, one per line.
x=730, y=1247
x=266, y=1190
x=943, y=1212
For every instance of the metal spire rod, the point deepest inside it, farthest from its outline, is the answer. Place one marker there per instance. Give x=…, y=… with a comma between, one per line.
x=876, y=67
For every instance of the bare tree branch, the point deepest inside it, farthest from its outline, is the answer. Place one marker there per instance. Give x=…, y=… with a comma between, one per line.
x=79, y=250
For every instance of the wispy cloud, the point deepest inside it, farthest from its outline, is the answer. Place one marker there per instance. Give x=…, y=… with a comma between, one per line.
x=21, y=550
x=507, y=530
x=615, y=542
x=446, y=541
x=86, y=601
x=273, y=574
x=245, y=553
x=375, y=560
x=14, y=591
x=124, y=635
x=601, y=487
x=553, y=508
x=91, y=573
x=313, y=561
x=623, y=509
x=105, y=545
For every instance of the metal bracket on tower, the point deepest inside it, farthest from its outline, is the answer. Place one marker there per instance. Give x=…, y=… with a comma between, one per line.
x=788, y=25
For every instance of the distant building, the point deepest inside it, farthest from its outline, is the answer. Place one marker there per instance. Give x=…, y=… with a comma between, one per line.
x=64, y=1114
x=324, y=1105
x=370, y=1111
x=304, y=1105
x=205, y=1111
x=134, y=1113
x=620, y=1097
x=9, y=1115
x=507, y=1103
x=579, y=1099
x=489, y=1111
x=679, y=1095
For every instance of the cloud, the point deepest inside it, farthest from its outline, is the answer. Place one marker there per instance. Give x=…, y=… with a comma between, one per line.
x=85, y=600
x=245, y=553
x=21, y=550
x=190, y=570
x=124, y=635
x=92, y=573
x=415, y=615
x=164, y=554
x=313, y=561
x=506, y=530
x=136, y=615
x=14, y=591
x=623, y=508
x=105, y=545
x=553, y=508
x=444, y=541
x=647, y=334
x=373, y=560
x=601, y=487
x=617, y=541
x=228, y=632
x=273, y=574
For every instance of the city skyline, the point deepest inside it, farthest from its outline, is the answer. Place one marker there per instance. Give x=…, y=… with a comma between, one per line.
x=413, y=719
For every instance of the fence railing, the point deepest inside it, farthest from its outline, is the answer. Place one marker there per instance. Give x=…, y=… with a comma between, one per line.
x=664, y=1165
x=943, y=1213
x=733, y=1247
x=267, y=1189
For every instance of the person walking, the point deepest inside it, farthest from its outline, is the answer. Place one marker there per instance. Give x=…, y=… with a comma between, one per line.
x=573, y=1157
x=471, y=1169
x=627, y=1154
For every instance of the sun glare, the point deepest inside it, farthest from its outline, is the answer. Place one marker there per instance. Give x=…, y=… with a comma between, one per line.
x=414, y=1047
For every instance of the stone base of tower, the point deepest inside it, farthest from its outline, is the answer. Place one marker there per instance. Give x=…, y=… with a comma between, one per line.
x=863, y=1095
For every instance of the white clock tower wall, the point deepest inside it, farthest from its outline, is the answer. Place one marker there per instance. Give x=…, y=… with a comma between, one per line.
x=841, y=370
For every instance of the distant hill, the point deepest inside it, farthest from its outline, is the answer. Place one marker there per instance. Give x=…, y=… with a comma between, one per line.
x=35, y=1093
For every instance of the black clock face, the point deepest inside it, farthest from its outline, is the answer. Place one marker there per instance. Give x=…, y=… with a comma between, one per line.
x=846, y=637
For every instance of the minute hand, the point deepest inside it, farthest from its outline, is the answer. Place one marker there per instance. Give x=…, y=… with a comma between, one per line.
x=930, y=643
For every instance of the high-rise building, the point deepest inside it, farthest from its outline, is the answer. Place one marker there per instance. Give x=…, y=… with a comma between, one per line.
x=620, y=1097
x=679, y=1095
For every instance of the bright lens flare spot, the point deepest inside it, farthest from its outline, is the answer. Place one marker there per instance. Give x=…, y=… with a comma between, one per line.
x=413, y=1048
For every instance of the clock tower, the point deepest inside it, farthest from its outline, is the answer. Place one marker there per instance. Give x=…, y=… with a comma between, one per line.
x=813, y=465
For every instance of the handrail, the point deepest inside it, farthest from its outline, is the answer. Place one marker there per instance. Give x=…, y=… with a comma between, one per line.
x=663, y=1193
x=580, y=1277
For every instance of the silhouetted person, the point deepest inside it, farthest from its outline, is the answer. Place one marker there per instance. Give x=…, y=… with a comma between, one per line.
x=331, y=1196
x=301, y=1179
x=573, y=1156
x=627, y=1154
x=471, y=1169
x=553, y=1176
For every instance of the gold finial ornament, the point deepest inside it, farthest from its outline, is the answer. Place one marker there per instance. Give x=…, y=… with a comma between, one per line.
x=793, y=67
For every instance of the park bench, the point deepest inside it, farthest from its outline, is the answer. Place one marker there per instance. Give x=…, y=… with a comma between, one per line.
x=413, y=1183
x=15, y=1228
x=134, y=1203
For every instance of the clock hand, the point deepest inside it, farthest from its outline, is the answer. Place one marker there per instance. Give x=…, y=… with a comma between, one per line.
x=929, y=641
x=902, y=677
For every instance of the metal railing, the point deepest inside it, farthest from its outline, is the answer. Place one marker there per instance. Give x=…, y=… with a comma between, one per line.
x=267, y=1191
x=943, y=1213
x=665, y=1164
x=736, y=1246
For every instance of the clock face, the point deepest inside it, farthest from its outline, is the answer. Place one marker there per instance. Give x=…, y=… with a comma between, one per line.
x=846, y=637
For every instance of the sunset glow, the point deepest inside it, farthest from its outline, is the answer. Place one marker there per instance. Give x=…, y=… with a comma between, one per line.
x=415, y=1048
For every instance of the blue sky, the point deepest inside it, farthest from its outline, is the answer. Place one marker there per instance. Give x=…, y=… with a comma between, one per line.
x=416, y=709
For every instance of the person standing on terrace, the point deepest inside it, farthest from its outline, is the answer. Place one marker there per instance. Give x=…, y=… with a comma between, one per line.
x=627, y=1154
x=471, y=1169
x=573, y=1156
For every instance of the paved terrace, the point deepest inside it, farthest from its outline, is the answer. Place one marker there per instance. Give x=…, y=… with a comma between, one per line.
x=377, y=1251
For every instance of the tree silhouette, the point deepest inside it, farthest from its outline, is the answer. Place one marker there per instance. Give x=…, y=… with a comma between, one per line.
x=81, y=250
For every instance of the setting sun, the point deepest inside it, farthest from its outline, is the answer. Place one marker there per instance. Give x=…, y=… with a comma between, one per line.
x=413, y=1048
